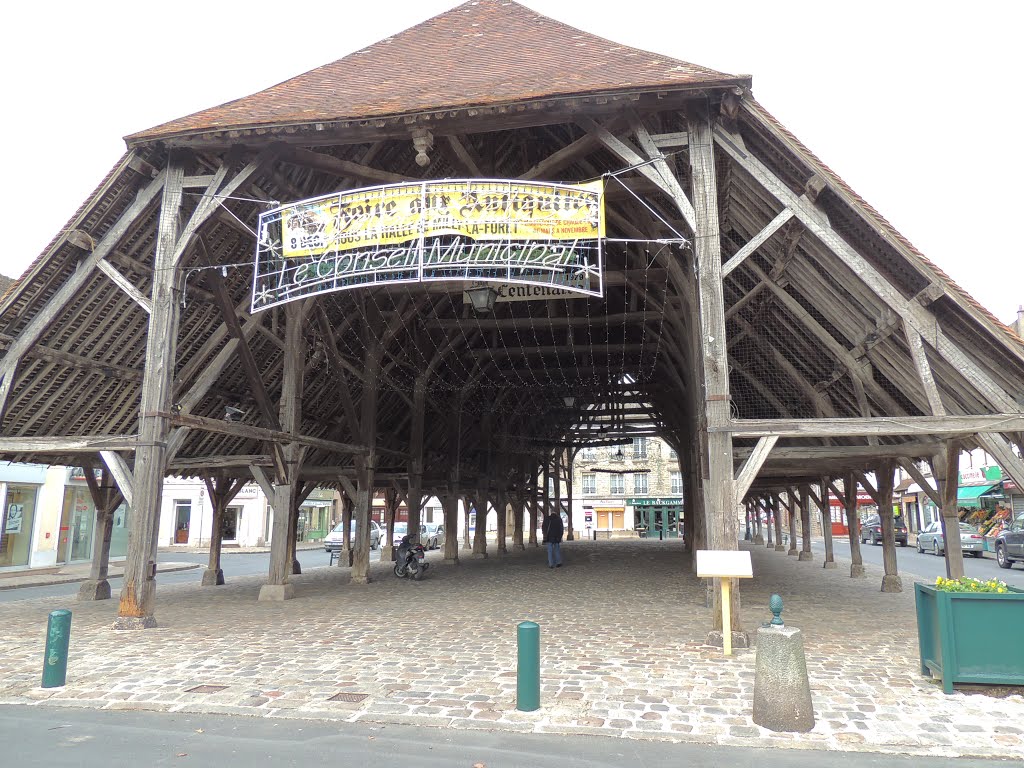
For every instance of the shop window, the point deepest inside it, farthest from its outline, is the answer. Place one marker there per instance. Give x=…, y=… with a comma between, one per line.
x=640, y=484
x=589, y=482
x=16, y=518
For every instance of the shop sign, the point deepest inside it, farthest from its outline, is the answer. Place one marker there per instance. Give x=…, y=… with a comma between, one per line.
x=511, y=232
x=654, y=501
x=979, y=475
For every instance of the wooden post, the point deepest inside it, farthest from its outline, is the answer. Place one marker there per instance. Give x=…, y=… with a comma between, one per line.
x=517, y=522
x=387, y=546
x=366, y=466
x=500, y=498
x=777, y=517
x=362, y=511
x=106, y=497
x=222, y=490
x=467, y=505
x=345, y=556
x=570, y=456
x=826, y=523
x=946, y=471
x=853, y=523
x=791, y=506
x=805, y=523
x=534, y=501
x=282, y=556
x=138, y=592
x=450, y=502
x=414, y=498
x=891, y=581
x=480, y=534
x=713, y=366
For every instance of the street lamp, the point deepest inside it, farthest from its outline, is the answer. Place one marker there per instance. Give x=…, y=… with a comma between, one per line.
x=482, y=298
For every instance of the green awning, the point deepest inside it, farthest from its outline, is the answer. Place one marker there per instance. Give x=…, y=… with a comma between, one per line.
x=970, y=495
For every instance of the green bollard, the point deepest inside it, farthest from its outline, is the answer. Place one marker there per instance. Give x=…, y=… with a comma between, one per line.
x=528, y=667
x=55, y=658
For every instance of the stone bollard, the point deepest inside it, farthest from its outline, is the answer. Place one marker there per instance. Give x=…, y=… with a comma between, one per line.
x=782, y=690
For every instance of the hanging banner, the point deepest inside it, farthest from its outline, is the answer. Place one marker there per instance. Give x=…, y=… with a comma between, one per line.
x=470, y=230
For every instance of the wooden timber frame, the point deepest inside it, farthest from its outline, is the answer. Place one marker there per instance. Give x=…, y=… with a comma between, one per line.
x=758, y=315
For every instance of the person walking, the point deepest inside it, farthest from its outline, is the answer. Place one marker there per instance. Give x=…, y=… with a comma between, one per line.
x=552, y=529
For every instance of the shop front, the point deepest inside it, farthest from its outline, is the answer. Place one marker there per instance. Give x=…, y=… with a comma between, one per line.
x=657, y=517
x=837, y=512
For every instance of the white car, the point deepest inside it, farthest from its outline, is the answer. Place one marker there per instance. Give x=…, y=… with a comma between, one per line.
x=334, y=540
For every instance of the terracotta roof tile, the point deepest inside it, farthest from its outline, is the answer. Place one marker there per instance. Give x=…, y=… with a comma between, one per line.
x=480, y=53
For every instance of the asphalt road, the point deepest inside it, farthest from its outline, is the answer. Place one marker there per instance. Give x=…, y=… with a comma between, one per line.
x=56, y=737
x=924, y=567
x=233, y=564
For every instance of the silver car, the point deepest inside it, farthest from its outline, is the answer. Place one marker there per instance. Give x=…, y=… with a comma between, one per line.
x=432, y=535
x=931, y=540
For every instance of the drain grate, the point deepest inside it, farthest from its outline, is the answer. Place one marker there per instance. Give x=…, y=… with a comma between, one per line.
x=354, y=698
x=206, y=689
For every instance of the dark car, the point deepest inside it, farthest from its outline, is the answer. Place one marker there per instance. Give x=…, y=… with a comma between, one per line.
x=1010, y=543
x=871, y=530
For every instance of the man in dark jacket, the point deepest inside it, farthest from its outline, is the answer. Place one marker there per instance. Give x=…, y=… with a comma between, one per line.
x=553, y=530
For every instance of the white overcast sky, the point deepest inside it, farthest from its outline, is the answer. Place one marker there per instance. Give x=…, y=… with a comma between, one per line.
x=914, y=104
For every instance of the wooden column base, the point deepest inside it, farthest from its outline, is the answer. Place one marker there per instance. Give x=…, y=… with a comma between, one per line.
x=276, y=593
x=450, y=561
x=213, y=578
x=94, y=590
x=892, y=583
x=134, y=622
x=805, y=556
x=360, y=580
x=856, y=571
x=830, y=565
x=780, y=547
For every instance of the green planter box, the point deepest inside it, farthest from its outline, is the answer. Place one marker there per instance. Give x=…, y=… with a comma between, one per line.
x=971, y=638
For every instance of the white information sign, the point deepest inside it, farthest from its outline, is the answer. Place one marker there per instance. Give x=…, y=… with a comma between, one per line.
x=718, y=563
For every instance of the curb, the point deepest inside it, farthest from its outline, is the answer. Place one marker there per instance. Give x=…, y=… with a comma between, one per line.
x=52, y=579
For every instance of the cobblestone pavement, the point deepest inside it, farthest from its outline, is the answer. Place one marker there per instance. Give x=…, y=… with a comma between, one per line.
x=623, y=654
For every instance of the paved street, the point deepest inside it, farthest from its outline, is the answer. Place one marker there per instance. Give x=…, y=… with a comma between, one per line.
x=924, y=567
x=233, y=564
x=623, y=654
x=70, y=737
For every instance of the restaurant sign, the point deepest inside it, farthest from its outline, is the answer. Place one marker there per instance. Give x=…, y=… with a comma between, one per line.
x=654, y=501
x=511, y=232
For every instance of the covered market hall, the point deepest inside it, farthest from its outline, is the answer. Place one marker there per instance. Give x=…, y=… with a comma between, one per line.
x=447, y=285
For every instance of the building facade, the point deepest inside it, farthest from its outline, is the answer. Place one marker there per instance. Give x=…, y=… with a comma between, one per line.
x=628, y=490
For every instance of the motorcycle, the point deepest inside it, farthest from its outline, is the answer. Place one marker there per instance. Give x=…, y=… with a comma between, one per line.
x=410, y=560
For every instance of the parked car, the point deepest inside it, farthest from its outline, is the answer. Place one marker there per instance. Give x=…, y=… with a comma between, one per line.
x=334, y=540
x=401, y=529
x=1010, y=543
x=432, y=535
x=932, y=540
x=871, y=530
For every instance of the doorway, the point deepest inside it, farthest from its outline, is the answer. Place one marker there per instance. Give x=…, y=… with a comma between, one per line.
x=229, y=525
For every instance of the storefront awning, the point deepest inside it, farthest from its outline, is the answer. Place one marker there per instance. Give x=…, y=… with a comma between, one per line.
x=970, y=496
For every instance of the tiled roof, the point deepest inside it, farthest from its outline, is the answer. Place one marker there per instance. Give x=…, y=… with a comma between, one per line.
x=483, y=52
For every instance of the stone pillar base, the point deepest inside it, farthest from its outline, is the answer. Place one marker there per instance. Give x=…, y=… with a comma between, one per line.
x=782, y=690
x=831, y=565
x=759, y=539
x=480, y=555
x=780, y=547
x=276, y=593
x=134, y=622
x=805, y=556
x=360, y=580
x=793, y=552
x=387, y=554
x=213, y=578
x=891, y=583
x=94, y=590
x=296, y=568
x=856, y=571
x=520, y=547
x=739, y=639
x=450, y=561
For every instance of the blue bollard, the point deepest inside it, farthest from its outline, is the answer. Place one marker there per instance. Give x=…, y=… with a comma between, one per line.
x=55, y=657
x=528, y=667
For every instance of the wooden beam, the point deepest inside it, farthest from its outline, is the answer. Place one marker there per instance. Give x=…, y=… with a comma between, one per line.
x=924, y=370
x=911, y=469
x=753, y=463
x=573, y=321
x=68, y=444
x=262, y=480
x=756, y=242
x=878, y=425
x=466, y=159
x=122, y=475
x=917, y=316
x=914, y=449
x=125, y=285
x=330, y=164
x=266, y=435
